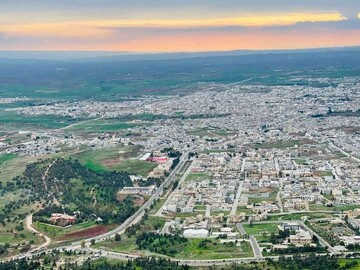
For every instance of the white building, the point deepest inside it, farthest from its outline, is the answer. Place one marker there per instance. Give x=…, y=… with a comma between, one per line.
x=196, y=233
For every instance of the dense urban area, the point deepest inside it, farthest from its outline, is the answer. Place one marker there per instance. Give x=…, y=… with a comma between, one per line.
x=234, y=175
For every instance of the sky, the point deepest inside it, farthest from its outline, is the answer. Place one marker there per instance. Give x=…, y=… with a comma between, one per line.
x=177, y=25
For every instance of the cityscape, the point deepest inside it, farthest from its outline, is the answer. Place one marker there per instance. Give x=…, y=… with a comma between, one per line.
x=146, y=143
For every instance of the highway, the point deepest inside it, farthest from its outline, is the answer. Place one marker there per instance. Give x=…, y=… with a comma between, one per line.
x=120, y=229
x=183, y=177
x=137, y=217
x=141, y=211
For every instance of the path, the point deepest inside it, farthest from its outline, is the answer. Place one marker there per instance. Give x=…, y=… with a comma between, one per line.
x=93, y=195
x=28, y=226
x=79, y=123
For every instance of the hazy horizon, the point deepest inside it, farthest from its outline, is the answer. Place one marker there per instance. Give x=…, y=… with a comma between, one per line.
x=163, y=26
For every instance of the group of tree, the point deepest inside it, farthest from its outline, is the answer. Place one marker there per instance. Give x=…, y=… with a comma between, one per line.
x=175, y=163
x=292, y=249
x=158, y=243
x=136, y=264
x=171, y=153
x=280, y=237
x=74, y=184
x=151, y=181
x=310, y=262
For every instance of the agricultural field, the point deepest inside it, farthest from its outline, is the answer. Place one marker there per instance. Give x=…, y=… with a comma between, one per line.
x=13, y=121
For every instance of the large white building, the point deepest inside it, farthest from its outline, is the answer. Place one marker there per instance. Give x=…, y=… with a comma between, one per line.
x=196, y=233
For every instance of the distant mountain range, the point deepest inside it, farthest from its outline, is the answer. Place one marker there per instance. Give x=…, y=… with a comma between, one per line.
x=103, y=56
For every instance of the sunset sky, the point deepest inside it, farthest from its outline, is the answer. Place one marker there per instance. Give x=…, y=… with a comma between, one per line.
x=177, y=25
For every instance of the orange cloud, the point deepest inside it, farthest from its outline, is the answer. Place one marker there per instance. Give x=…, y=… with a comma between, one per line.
x=103, y=28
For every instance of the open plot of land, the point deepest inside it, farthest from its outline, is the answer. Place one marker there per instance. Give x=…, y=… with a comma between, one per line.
x=135, y=166
x=14, y=167
x=282, y=144
x=76, y=231
x=322, y=207
x=6, y=157
x=197, y=177
x=210, y=133
x=261, y=232
x=120, y=159
x=13, y=121
x=102, y=125
x=214, y=250
x=297, y=216
x=331, y=232
x=128, y=243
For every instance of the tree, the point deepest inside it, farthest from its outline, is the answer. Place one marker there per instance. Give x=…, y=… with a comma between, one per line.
x=92, y=242
x=117, y=237
x=83, y=244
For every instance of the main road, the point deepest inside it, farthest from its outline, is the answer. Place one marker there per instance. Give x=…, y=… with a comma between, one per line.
x=141, y=211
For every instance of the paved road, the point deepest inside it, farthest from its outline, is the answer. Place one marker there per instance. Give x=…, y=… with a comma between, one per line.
x=138, y=215
x=321, y=240
x=241, y=229
x=238, y=193
x=236, y=201
x=186, y=173
x=120, y=229
x=344, y=152
x=255, y=247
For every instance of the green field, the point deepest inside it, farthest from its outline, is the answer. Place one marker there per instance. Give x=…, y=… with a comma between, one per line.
x=214, y=250
x=116, y=159
x=281, y=144
x=14, y=121
x=128, y=243
x=135, y=166
x=210, y=133
x=197, y=177
x=261, y=232
x=297, y=216
x=106, y=125
x=6, y=157
x=13, y=166
x=157, y=206
x=57, y=231
x=342, y=262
